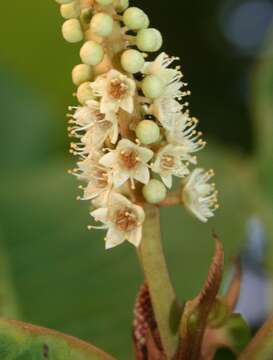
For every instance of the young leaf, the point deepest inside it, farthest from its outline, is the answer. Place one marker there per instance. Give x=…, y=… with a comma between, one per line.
x=195, y=317
x=21, y=341
x=147, y=342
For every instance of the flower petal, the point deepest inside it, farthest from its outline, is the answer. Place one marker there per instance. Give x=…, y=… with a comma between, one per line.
x=113, y=238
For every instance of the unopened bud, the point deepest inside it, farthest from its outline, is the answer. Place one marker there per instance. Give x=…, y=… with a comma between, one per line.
x=91, y=53
x=154, y=192
x=81, y=73
x=72, y=31
x=85, y=93
x=149, y=40
x=132, y=61
x=135, y=19
x=104, y=2
x=121, y=5
x=71, y=10
x=148, y=132
x=102, y=24
x=152, y=86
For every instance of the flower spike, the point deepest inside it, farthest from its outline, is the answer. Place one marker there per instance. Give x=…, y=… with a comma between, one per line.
x=132, y=124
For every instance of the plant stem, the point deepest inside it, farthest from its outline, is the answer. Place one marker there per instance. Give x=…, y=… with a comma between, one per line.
x=166, y=309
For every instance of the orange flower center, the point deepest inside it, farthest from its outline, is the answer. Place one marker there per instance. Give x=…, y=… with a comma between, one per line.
x=128, y=158
x=126, y=219
x=117, y=89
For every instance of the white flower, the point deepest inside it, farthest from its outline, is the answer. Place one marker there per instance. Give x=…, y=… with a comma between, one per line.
x=182, y=132
x=123, y=220
x=169, y=162
x=128, y=161
x=164, y=108
x=159, y=67
x=85, y=167
x=116, y=91
x=98, y=126
x=198, y=196
x=99, y=186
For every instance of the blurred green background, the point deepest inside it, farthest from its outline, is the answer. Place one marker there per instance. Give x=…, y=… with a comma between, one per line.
x=53, y=271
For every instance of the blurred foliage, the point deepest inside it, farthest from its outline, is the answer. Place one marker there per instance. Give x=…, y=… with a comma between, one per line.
x=59, y=271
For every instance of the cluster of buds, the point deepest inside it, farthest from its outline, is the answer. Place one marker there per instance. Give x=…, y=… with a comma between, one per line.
x=134, y=132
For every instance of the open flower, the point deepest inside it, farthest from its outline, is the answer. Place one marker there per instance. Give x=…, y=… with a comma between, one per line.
x=198, y=196
x=165, y=108
x=170, y=161
x=116, y=91
x=99, y=185
x=183, y=132
x=128, y=161
x=159, y=67
x=99, y=126
x=123, y=220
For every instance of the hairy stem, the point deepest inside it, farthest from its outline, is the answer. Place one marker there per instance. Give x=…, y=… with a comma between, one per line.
x=166, y=309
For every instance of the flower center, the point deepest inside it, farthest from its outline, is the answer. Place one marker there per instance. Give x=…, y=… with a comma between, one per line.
x=117, y=89
x=167, y=161
x=126, y=219
x=100, y=178
x=128, y=158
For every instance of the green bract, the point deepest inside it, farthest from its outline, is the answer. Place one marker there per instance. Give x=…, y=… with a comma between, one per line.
x=91, y=53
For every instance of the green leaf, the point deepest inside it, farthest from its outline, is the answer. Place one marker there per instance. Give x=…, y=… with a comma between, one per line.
x=20, y=341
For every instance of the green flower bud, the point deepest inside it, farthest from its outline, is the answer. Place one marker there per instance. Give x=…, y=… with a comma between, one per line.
x=154, y=192
x=135, y=19
x=152, y=86
x=102, y=24
x=71, y=10
x=81, y=73
x=104, y=2
x=64, y=1
x=121, y=5
x=149, y=40
x=84, y=93
x=91, y=53
x=132, y=61
x=72, y=31
x=148, y=132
